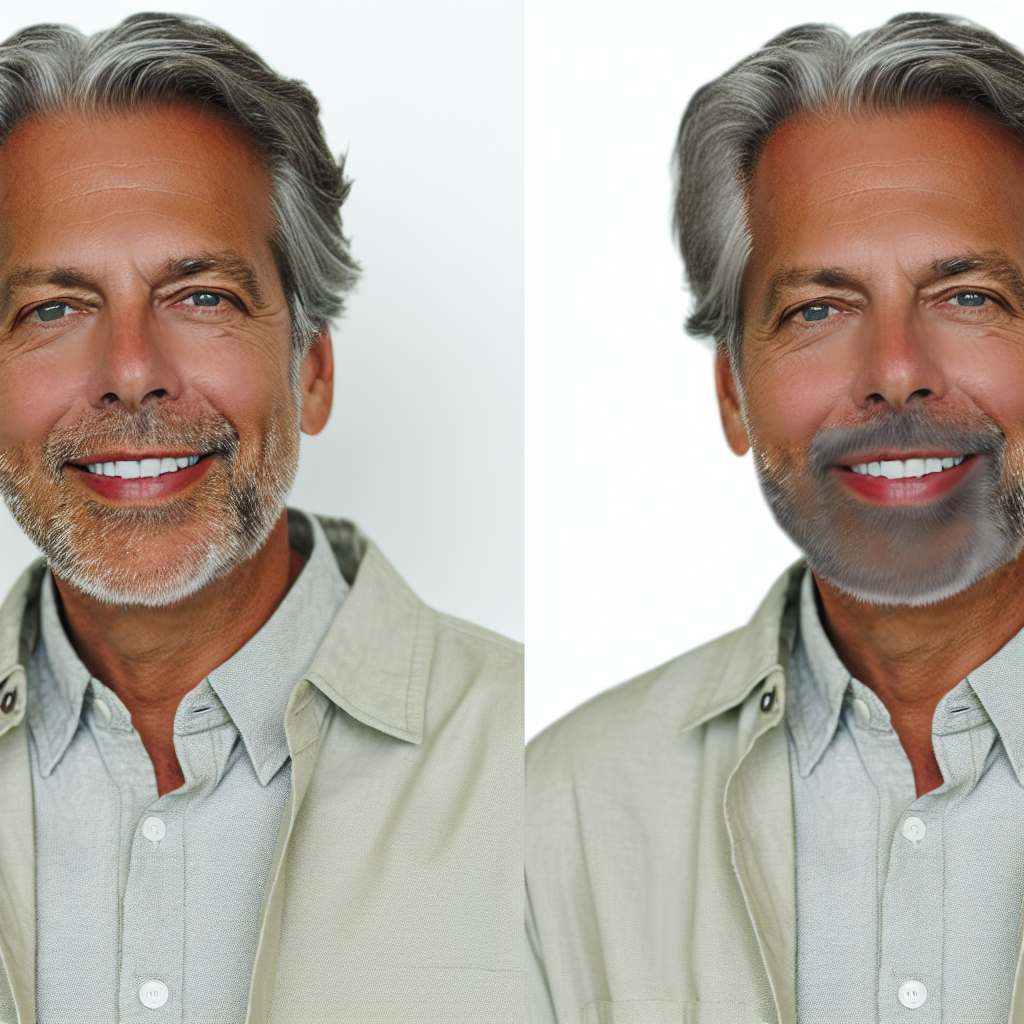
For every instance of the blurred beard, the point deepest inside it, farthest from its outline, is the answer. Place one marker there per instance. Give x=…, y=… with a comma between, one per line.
x=910, y=554
x=157, y=555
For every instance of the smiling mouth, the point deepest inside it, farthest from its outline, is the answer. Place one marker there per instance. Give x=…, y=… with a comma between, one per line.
x=903, y=469
x=137, y=469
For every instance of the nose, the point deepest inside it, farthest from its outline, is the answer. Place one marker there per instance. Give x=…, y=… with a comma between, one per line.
x=899, y=366
x=134, y=367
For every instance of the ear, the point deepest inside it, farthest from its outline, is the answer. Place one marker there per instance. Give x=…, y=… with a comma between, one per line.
x=316, y=382
x=729, y=406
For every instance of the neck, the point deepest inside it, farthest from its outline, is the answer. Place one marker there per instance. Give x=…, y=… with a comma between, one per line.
x=912, y=657
x=152, y=657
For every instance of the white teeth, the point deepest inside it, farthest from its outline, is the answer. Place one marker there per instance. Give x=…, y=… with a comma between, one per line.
x=135, y=470
x=896, y=469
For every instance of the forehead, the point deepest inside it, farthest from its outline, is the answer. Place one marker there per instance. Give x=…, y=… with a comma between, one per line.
x=67, y=179
x=832, y=180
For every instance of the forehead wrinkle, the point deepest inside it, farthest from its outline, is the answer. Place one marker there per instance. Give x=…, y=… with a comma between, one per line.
x=106, y=164
x=128, y=188
x=867, y=189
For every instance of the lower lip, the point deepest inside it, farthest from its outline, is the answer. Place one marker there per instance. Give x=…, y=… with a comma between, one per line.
x=145, y=489
x=878, y=490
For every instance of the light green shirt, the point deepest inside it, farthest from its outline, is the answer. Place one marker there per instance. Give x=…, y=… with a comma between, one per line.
x=133, y=888
x=907, y=906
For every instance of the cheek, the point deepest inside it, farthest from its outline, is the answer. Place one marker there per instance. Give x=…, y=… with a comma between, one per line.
x=37, y=392
x=991, y=375
x=247, y=384
x=789, y=397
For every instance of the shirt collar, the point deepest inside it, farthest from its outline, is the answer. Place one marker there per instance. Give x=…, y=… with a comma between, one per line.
x=256, y=683
x=997, y=684
x=253, y=685
x=818, y=682
x=62, y=682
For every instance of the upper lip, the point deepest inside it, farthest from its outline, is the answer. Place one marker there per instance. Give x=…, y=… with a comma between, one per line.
x=892, y=456
x=136, y=456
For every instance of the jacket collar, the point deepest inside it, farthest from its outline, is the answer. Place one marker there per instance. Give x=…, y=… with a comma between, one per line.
x=19, y=625
x=759, y=650
x=374, y=662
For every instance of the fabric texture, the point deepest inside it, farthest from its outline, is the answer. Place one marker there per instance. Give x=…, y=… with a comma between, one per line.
x=116, y=909
x=878, y=907
x=395, y=891
x=661, y=843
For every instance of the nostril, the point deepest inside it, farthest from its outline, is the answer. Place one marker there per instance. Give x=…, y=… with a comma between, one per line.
x=159, y=393
x=921, y=393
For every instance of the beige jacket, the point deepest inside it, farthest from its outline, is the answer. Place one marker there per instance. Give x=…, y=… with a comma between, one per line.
x=396, y=888
x=660, y=848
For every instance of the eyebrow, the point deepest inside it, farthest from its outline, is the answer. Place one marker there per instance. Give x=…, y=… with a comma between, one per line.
x=994, y=264
x=799, y=277
x=230, y=264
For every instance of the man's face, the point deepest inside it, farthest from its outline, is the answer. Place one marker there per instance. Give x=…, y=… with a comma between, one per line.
x=882, y=378
x=148, y=427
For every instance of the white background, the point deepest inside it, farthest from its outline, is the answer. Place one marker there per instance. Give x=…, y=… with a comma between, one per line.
x=425, y=448
x=645, y=535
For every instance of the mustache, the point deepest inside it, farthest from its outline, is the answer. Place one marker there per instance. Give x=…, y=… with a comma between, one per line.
x=207, y=432
x=905, y=431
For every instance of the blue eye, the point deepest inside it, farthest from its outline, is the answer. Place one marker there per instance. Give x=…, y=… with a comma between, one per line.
x=204, y=299
x=969, y=299
x=818, y=312
x=52, y=311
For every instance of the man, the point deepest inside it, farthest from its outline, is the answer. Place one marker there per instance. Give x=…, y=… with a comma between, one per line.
x=820, y=817
x=245, y=774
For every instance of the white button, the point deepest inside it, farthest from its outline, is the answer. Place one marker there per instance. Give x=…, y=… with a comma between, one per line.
x=862, y=711
x=914, y=830
x=154, y=994
x=102, y=711
x=913, y=994
x=154, y=830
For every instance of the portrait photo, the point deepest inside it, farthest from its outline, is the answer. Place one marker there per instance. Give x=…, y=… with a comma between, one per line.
x=261, y=547
x=775, y=360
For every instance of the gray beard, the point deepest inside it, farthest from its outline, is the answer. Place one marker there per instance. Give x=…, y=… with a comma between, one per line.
x=87, y=543
x=909, y=555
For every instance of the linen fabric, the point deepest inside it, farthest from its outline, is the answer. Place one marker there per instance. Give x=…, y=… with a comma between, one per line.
x=661, y=859
x=395, y=891
x=115, y=908
x=893, y=889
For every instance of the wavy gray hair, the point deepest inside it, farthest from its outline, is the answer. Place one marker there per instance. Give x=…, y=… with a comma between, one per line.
x=153, y=58
x=911, y=60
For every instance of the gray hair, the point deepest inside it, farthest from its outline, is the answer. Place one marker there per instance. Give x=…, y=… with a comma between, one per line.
x=910, y=61
x=155, y=58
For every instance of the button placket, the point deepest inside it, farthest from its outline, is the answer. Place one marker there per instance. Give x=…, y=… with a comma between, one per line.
x=911, y=939
x=152, y=938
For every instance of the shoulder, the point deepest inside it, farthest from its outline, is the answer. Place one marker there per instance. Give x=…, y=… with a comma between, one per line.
x=657, y=713
x=478, y=675
x=491, y=650
x=638, y=715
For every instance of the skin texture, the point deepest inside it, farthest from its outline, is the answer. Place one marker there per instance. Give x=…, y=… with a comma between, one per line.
x=881, y=201
x=115, y=198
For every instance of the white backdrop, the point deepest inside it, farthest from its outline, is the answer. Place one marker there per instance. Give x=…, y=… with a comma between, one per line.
x=424, y=450
x=645, y=535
